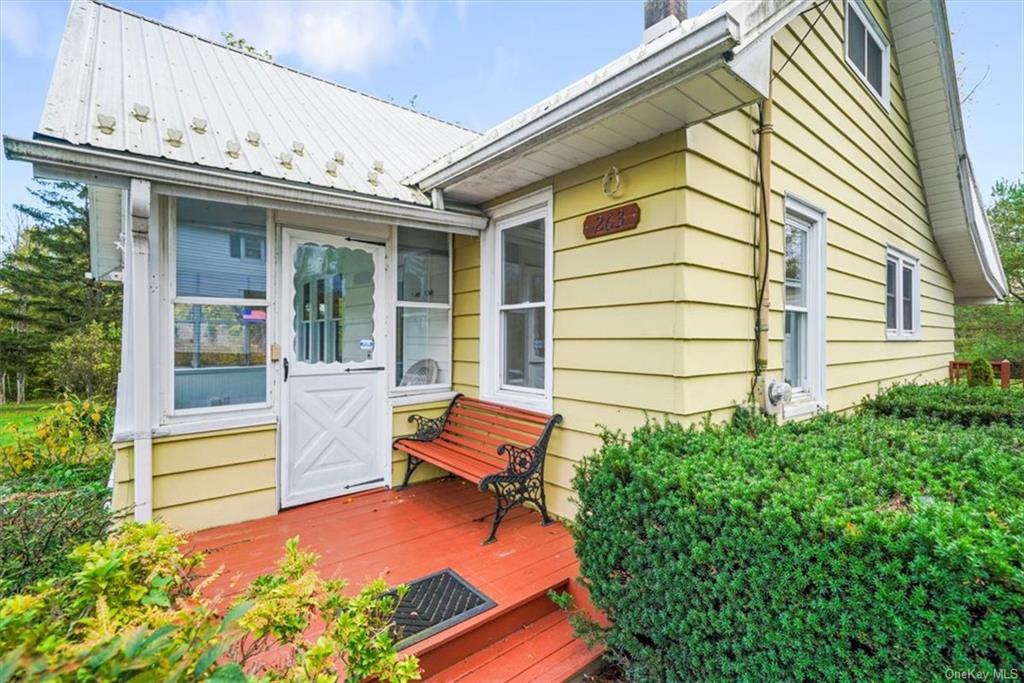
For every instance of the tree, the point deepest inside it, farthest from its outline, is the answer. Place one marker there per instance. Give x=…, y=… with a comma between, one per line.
x=44, y=293
x=996, y=332
x=1007, y=219
x=243, y=46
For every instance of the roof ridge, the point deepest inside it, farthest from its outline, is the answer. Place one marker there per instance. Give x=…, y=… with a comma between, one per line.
x=300, y=72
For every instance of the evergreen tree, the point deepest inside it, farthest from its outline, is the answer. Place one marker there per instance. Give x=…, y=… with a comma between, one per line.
x=44, y=293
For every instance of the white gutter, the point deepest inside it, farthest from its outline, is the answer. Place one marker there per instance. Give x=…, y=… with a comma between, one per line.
x=701, y=49
x=274, y=193
x=982, y=238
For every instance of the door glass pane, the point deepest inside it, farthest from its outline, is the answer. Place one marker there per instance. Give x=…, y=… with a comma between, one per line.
x=874, y=70
x=423, y=268
x=220, y=250
x=890, y=295
x=855, y=32
x=794, y=362
x=422, y=352
x=219, y=355
x=333, y=304
x=523, y=331
x=796, y=266
x=522, y=251
x=908, y=298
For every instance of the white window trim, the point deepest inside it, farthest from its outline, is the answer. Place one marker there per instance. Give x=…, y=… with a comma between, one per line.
x=816, y=398
x=219, y=414
x=534, y=205
x=902, y=260
x=868, y=19
x=422, y=392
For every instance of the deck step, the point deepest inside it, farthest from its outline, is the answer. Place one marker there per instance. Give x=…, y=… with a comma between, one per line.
x=542, y=650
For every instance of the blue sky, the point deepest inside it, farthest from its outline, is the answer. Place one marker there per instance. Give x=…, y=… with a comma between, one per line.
x=478, y=63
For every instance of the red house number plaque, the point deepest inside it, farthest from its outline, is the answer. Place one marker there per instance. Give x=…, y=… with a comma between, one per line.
x=619, y=219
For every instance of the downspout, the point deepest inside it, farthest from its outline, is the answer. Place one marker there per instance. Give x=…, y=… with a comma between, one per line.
x=762, y=310
x=142, y=442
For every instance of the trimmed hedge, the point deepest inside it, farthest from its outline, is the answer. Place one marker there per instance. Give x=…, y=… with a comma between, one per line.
x=958, y=403
x=850, y=549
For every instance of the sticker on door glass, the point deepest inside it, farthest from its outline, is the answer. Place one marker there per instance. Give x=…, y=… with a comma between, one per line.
x=366, y=344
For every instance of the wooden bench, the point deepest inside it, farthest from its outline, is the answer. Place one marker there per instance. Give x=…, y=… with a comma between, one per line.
x=491, y=445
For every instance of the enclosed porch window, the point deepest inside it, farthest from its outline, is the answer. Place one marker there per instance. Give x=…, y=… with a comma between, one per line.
x=423, y=310
x=219, y=305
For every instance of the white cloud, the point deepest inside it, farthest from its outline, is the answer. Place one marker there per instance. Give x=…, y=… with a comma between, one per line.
x=19, y=27
x=324, y=37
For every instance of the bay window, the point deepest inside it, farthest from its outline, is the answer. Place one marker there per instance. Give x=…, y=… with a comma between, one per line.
x=423, y=310
x=219, y=305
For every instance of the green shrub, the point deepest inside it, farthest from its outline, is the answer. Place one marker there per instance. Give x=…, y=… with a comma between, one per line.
x=957, y=403
x=133, y=611
x=86, y=361
x=839, y=549
x=980, y=373
x=53, y=491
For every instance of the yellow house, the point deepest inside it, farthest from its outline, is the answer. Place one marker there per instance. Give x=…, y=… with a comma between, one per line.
x=769, y=203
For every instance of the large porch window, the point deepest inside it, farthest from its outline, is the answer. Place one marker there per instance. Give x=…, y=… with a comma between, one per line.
x=219, y=305
x=423, y=354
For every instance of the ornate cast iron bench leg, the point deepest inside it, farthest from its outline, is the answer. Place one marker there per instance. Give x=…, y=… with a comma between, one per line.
x=411, y=463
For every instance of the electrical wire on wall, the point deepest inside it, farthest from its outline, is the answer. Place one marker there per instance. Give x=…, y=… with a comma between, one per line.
x=762, y=208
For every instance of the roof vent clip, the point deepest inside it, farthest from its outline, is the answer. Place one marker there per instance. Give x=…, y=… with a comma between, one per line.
x=286, y=159
x=199, y=125
x=175, y=137
x=140, y=112
x=106, y=123
x=332, y=169
x=378, y=166
x=299, y=148
x=233, y=149
x=339, y=158
x=253, y=138
x=372, y=177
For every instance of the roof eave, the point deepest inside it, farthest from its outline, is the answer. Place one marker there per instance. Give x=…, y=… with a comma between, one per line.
x=83, y=163
x=704, y=48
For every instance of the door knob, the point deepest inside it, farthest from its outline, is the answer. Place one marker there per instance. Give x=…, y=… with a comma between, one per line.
x=285, y=369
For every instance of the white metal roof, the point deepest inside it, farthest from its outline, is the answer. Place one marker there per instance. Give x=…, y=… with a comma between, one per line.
x=685, y=73
x=174, y=95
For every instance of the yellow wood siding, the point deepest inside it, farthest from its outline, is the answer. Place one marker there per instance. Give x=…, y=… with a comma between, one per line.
x=205, y=480
x=658, y=321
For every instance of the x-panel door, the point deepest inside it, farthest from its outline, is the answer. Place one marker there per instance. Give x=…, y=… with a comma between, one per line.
x=333, y=358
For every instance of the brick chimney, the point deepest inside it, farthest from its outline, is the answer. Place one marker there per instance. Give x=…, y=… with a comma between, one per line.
x=661, y=16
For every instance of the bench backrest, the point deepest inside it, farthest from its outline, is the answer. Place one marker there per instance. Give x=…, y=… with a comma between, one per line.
x=480, y=427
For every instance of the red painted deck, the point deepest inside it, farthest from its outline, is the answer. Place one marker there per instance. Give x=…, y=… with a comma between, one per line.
x=404, y=535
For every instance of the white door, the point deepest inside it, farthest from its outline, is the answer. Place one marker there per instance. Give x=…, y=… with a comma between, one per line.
x=333, y=355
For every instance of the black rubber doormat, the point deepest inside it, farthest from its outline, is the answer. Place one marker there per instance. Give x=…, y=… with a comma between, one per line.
x=434, y=603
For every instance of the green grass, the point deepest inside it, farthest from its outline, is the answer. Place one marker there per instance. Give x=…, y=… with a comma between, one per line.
x=23, y=415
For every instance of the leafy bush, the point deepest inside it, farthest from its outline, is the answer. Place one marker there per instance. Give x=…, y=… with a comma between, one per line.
x=53, y=491
x=86, y=361
x=75, y=431
x=133, y=610
x=958, y=403
x=980, y=374
x=47, y=513
x=838, y=549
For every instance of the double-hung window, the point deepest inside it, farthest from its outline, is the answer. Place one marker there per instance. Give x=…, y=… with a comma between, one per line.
x=803, y=346
x=902, y=296
x=219, y=307
x=867, y=50
x=423, y=358
x=516, y=294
